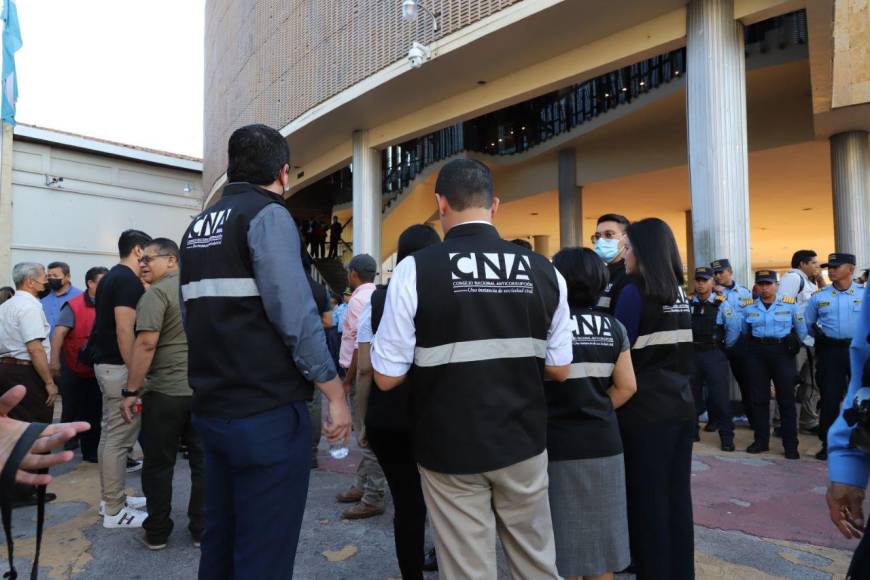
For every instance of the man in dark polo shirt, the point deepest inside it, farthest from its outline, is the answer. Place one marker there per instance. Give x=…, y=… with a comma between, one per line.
x=479, y=323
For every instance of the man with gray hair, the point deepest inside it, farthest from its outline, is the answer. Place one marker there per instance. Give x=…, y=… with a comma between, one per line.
x=24, y=353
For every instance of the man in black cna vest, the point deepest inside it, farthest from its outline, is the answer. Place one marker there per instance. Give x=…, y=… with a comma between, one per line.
x=256, y=348
x=478, y=323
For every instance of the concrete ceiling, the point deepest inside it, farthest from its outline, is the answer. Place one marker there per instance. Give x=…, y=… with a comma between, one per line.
x=568, y=24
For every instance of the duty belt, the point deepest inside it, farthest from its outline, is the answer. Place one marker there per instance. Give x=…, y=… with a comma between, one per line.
x=828, y=341
x=8, y=360
x=767, y=340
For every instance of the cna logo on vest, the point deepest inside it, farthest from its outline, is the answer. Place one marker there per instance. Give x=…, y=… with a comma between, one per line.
x=208, y=229
x=491, y=272
x=592, y=329
x=681, y=306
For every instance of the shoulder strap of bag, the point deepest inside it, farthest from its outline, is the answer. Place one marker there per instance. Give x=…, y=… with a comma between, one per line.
x=7, y=490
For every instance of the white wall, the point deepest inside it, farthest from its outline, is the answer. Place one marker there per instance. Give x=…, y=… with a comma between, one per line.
x=100, y=196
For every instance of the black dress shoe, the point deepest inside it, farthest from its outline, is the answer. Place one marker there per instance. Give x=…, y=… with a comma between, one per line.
x=757, y=447
x=792, y=454
x=823, y=454
x=430, y=563
x=777, y=432
x=697, y=436
x=728, y=446
x=711, y=427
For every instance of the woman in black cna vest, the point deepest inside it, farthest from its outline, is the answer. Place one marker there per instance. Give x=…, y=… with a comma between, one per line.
x=586, y=469
x=657, y=424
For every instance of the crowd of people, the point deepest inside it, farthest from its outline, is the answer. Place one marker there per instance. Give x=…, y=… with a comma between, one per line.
x=550, y=403
x=313, y=233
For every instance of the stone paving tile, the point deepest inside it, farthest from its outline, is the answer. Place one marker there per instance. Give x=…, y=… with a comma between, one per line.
x=757, y=517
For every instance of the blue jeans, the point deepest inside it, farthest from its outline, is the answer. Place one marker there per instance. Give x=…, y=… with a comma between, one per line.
x=255, y=485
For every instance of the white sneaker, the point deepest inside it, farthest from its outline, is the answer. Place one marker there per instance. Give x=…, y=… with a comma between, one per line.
x=135, y=502
x=126, y=518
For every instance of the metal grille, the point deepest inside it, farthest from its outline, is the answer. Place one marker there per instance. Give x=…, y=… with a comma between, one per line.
x=269, y=61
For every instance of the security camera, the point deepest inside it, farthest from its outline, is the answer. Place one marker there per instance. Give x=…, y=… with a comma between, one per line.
x=418, y=54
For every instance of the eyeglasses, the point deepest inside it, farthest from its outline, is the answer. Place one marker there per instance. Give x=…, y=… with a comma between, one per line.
x=145, y=260
x=607, y=235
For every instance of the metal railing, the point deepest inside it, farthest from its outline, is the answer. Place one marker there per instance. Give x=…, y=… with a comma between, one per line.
x=521, y=127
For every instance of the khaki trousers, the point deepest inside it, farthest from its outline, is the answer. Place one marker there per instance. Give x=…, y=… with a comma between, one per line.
x=117, y=439
x=467, y=511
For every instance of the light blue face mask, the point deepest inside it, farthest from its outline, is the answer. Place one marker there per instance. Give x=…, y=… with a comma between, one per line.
x=606, y=249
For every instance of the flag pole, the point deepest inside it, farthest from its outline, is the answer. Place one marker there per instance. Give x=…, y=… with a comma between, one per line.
x=5, y=192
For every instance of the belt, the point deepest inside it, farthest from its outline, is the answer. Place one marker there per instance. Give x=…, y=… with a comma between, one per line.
x=767, y=340
x=8, y=360
x=828, y=341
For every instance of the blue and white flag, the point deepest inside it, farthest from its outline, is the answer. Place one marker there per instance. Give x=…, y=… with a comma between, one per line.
x=11, y=44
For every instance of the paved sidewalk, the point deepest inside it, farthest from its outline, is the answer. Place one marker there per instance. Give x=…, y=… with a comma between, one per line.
x=757, y=517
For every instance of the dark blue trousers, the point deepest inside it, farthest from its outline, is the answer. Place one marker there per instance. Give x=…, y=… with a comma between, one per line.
x=766, y=363
x=711, y=371
x=255, y=485
x=832, y=376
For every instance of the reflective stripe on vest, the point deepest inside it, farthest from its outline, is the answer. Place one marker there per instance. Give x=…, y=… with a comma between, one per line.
x=479, y=350
x=663, y=337
x=586, y=370
x=220, y=288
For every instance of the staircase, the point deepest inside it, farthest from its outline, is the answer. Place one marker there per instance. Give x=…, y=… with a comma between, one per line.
x=333, y=273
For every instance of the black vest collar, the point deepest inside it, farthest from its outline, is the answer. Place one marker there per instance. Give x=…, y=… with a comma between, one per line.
x=472, y=229
x=238, y=187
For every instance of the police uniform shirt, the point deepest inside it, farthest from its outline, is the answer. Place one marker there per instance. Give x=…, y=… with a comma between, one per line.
x=774, y=321
x=738, y=296
x=846, y=464
x=834, y=312
x=727, y=316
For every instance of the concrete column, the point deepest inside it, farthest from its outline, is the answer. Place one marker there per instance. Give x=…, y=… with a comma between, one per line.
x=366, y=197
x=570, y=201
x=542, y=245
x=850, y=176
x=716, y=111
x=691, y=264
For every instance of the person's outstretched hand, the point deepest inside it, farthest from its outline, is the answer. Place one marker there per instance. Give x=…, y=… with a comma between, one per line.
x=53, y=437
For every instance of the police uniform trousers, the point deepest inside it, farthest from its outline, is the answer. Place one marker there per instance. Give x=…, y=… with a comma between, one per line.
x=766, y=362
x=832, y=375
x=737, y=360
x=468, y=510
x=711, y=371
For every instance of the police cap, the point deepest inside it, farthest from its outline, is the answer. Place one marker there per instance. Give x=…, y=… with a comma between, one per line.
x=703, y=273
x=766, y=276
x=720, y=265
x=835, y=260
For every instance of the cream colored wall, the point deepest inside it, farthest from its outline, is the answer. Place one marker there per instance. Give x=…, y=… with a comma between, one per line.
x=100, y=196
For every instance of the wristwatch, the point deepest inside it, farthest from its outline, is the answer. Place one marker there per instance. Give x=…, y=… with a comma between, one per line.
x=126, y=393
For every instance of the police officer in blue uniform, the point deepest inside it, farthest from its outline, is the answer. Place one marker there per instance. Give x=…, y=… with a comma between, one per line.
x=849, y=465
x=776, y=328
x=738, y=297
x=715, y=324
x=831, y=315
